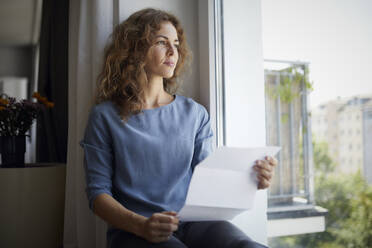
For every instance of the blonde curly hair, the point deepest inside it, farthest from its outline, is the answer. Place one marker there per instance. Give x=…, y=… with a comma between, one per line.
x=121, y=79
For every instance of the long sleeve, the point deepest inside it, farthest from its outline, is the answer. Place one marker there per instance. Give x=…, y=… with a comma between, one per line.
x=203, y=140
x=98, y=157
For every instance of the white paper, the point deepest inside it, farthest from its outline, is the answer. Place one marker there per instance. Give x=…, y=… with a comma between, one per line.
x=224, y=184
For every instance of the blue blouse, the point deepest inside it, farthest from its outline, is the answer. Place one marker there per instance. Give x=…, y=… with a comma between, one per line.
x=147, y=162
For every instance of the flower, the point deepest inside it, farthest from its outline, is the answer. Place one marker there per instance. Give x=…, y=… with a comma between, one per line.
x=3, y=101
x=16, y=117
x=43, y=100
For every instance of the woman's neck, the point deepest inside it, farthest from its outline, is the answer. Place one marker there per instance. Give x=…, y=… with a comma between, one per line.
x=155, y=95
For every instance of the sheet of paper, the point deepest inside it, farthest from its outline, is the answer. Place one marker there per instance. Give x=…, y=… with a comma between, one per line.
x=224, y=185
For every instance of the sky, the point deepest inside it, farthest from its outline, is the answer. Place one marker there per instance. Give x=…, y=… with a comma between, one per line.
x=334, y=36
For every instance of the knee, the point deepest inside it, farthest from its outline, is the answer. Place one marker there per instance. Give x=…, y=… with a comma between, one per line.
x=234, y=237
x=222, y=224
x=225, y=226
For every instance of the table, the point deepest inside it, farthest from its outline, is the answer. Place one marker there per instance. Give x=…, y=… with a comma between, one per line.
x=32, y=203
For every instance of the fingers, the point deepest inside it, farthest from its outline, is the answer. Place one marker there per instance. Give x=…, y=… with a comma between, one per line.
x=263, y=165
x=272, y=161
x=265, y=171
x=165, y=217
x=160, y=230
x=172, y=213
x=175, y=218
x=266, y=174
x=160, y=226
x=263, y=183
x=164, y=227
x=264, y=179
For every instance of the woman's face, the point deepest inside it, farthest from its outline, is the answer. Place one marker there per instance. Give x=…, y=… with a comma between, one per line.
x=162, y=56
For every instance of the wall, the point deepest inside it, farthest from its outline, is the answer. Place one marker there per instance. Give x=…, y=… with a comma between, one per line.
x=16, y=61
x=245, y=99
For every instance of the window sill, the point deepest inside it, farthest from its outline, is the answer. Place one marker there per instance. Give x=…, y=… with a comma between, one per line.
x=298, y=221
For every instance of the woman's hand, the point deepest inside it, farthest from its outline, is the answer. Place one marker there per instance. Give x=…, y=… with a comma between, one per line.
x=160, y=226
x=265, y=171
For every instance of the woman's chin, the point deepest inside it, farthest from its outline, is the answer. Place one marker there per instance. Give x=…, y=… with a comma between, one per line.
x=168, y=75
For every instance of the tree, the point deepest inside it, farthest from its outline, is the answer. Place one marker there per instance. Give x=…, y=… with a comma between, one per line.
x=348, y=199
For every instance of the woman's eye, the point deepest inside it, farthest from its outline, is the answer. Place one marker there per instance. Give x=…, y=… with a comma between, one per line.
x=161, y=42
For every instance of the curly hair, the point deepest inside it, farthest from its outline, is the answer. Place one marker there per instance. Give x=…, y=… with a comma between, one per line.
x=122, y=78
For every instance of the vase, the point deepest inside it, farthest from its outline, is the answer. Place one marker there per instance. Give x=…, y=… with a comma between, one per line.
x=13, y=150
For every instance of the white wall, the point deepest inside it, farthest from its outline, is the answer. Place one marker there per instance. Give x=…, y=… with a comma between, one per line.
x=244, y=91
x=187, y=13
x=16, y=61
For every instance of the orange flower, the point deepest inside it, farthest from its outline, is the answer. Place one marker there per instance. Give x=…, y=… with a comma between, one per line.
x=43, y=100
x=49, y=104
x=4, y=101
x=36, y=95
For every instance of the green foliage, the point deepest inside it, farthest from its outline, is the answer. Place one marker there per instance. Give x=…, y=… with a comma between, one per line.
x=357, y=231
x=291, y=78
x=322, y=162
x=348, y=199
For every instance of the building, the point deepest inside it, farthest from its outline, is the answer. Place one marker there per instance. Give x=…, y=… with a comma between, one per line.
x=367, y=141
x=345, y=124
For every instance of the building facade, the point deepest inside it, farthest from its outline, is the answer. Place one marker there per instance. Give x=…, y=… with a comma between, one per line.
x=345, y=125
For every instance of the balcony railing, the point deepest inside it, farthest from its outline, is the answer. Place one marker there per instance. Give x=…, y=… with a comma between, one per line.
x=288, y=126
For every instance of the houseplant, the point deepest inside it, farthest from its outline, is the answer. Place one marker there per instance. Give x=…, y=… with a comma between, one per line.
x=16, y=118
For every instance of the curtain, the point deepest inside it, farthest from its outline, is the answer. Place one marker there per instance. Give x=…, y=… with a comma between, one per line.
x=51, y=141
x=90, y=24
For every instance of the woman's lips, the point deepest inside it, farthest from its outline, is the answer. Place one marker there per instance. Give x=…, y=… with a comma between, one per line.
x=169, y=63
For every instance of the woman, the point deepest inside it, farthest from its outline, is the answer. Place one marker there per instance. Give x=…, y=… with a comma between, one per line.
x=142, y=142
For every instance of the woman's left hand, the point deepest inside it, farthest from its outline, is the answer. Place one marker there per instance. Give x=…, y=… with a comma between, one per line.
x=265, y=171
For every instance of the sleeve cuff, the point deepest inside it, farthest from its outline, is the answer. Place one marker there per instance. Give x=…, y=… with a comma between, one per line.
x=93, y=195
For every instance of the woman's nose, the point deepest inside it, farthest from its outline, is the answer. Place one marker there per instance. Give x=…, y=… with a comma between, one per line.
x=170, y=50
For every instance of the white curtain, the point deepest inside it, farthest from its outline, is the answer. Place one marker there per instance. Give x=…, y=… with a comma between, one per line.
x=90, y=24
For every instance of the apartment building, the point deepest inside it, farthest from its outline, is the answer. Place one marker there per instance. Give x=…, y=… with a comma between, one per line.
x=345, y=125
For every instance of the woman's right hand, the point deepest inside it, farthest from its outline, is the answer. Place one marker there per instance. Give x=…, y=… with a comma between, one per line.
x=160, y=226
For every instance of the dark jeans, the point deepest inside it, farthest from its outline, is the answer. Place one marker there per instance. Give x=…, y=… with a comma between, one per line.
x=204, y=234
